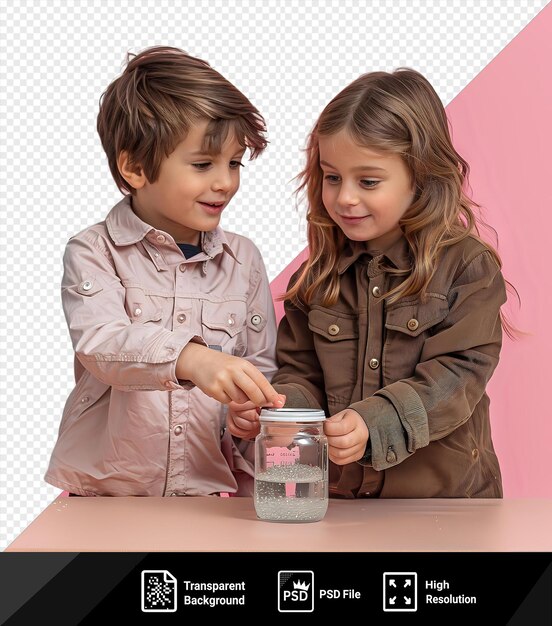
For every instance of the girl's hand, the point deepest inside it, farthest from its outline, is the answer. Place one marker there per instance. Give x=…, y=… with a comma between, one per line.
x=347, y=435
x=242, y=420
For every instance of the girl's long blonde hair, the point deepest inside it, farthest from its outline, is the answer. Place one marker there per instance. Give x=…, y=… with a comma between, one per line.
x=401, y=113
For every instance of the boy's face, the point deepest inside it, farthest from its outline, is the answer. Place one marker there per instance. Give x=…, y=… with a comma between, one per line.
x=192, y=189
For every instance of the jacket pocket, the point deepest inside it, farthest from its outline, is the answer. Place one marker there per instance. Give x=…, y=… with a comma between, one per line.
x=84, y=396
x=407, y=325
x=142, y=307
x=335, y=337
x=223, y=324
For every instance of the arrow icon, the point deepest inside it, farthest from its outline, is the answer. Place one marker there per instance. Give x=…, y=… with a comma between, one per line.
x=400, y=591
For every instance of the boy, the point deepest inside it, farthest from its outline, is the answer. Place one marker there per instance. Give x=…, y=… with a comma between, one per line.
x=169, y=315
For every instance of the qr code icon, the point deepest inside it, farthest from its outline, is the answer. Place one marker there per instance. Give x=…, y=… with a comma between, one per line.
x=158, y=591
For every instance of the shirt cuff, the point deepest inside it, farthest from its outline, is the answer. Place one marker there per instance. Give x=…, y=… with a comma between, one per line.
x=167, y=375
x=411, y=412
x=387, y=442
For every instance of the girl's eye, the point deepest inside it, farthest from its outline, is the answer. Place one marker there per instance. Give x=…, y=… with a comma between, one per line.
x=369, y=183
x=201, y=166
x=235, y=164
x=331, y=178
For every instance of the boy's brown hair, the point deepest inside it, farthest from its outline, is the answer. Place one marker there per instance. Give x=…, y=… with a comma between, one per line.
x=162, y=92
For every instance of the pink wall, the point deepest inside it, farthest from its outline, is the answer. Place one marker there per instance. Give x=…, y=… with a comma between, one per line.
x=502, y=125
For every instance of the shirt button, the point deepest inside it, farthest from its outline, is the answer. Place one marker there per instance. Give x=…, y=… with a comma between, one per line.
x=391, y=456
x=87, y=285
x=475, y=453
x=178, y=430
x=160, y=238
x=374, y=364
x=256, y=320
x=181, y=318
x=182, y=267
x=137, y=312
x=85, y=399
x=376, y=292
x=333, y=329
x=412, y=324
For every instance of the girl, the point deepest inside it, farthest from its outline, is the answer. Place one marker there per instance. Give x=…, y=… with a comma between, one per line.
x=169, y=315
x=393, y=324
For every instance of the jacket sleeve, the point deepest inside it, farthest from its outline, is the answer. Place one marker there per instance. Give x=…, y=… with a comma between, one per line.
x=117, y=352
x=456, y=363
x=300, y=375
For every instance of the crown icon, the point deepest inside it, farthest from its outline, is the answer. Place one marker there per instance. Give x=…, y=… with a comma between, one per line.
x=301, y=585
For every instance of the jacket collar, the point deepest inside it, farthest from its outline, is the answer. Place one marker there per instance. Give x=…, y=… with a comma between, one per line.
x=126, y=228
x=398, y=254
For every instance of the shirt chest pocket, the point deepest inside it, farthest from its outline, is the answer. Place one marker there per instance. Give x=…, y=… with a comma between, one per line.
x=335, y=337
x=143, y=307
x=223, y=325
x=407, y=326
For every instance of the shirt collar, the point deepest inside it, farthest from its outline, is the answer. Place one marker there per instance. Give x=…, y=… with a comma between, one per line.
x=398, y=254
x=126, y=228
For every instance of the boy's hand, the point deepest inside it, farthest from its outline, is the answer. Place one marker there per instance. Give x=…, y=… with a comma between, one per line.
x=224, y=377
x=242, y=420
x=347, y=435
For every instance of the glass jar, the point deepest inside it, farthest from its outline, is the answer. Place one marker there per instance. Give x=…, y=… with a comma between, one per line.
x=291, y=466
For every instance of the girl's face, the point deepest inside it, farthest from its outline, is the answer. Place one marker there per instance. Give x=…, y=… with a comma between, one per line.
x=365, y=192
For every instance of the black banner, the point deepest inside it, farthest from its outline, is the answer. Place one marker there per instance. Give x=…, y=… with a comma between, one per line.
x=382, y=588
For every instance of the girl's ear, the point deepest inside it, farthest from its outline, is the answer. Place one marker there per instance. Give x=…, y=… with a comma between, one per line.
x=132, y=173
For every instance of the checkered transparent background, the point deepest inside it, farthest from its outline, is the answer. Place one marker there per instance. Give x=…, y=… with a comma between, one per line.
x=290, y=58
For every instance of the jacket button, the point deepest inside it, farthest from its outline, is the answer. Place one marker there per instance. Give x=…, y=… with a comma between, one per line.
x=174, y=494
x=161, y=238
x=391, y=456
x=376, y=292
x=178, y=430
x=87, y=285
x=182, y=267
x=138, y=311
x=181, y=318
x=333, y=329
x=412, y=324
x=475, y=453
x=374, y=364
x=256, y=320
x=85, y=399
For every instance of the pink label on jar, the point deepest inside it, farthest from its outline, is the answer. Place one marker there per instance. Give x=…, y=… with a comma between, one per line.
x=281, y=456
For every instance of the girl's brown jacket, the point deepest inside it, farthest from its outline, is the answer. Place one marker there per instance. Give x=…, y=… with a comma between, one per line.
x=415, y=371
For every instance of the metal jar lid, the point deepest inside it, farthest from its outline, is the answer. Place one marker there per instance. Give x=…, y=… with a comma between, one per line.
x=292, y=415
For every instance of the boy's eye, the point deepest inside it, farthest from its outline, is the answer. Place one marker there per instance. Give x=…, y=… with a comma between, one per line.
x=235, y=164
x=201, y=166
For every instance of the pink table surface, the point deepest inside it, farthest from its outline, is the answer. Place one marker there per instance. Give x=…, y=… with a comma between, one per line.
x=211, y=524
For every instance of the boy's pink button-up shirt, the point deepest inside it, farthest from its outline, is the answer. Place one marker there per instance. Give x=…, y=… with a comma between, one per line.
x=132, y=302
